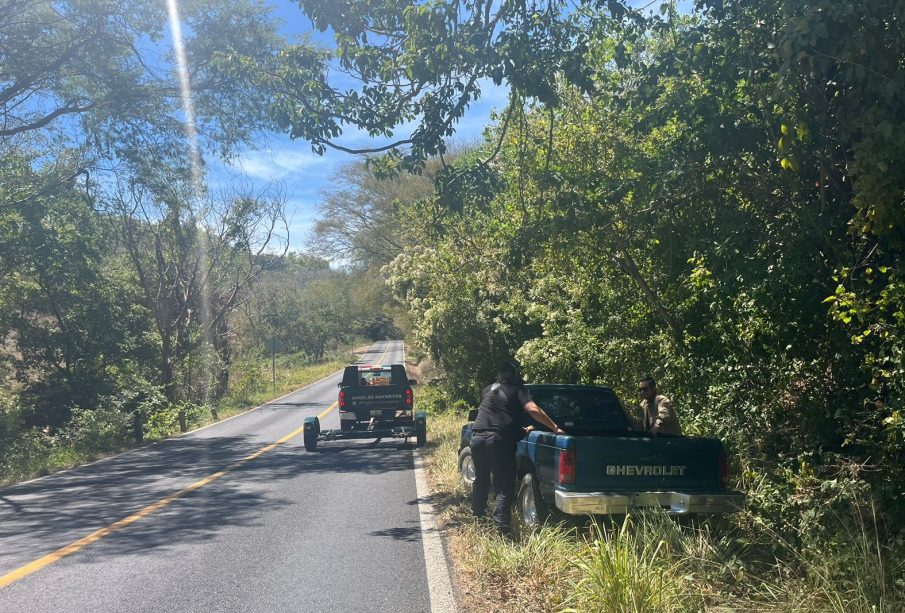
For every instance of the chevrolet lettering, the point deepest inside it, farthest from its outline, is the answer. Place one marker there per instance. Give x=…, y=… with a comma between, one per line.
x=631, y=470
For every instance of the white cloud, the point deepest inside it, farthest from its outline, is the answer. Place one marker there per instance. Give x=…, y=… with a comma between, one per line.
x=275, y=165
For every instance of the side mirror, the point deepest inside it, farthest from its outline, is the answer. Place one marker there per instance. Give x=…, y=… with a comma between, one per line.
x=472, y=415
x=339, y=385
x=413, y=382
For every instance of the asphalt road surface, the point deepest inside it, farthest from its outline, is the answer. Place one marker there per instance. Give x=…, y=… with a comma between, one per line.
x=283, y=530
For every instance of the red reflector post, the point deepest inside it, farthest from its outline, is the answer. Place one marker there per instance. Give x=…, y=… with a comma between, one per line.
x=567, y=466
x=724, y=469
x=342, y=399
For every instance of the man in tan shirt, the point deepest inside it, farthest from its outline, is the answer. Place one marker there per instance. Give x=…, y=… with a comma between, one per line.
x=657, y=415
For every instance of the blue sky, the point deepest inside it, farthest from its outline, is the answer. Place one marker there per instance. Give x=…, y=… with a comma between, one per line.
x=276, y=158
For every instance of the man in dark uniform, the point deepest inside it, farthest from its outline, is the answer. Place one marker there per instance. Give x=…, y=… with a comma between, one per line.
x=496, y=430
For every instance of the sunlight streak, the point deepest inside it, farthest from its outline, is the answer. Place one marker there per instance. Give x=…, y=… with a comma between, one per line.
x=185, y=92
x=203, y=245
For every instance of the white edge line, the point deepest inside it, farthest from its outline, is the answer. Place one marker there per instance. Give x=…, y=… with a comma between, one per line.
x=146, y=446
x=439, y=584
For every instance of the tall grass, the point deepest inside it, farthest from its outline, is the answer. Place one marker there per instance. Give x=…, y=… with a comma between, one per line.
x=628, y=571
x=853, y=571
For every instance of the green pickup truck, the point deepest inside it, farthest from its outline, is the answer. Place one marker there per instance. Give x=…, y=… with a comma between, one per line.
x=374, y=402
x=602, y=467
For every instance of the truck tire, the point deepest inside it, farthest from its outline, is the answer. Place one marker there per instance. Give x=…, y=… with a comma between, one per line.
x=466, y=467
x=532, y=510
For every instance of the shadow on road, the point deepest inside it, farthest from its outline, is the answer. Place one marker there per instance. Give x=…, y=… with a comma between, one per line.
x=295, y=405
x=39, y=517
x=412, y=533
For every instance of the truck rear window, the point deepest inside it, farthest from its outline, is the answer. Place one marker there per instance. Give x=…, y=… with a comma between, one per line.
x=375, y=377
x=582, y=410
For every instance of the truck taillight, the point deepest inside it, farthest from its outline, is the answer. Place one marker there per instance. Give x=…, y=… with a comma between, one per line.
x=408, y=397
x=567, y=466
x=724, y=469
x=342, y=399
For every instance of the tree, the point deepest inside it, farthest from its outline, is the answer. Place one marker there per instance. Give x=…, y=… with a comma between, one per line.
x=356, y=220
x=424, y=63
x=194, y=263
x=93, y=62
x=73, y=316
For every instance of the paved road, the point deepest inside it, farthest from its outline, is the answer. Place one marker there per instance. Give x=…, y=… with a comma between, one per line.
x=334, y=530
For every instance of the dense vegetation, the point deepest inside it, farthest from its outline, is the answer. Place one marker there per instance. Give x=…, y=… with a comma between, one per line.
x=137, y=294
x=711, y=196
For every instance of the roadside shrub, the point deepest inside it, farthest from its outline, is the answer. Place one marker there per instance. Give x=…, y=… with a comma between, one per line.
x=23, y=451
x=164, y=421
x=100, y=430
x=849, y=565
x=248, y=377
x=438, y=401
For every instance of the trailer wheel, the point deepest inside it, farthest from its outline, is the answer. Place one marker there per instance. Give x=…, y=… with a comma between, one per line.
x=532, y=509
x=421, y=434
x=466, y=467
x=310, y=442
x=312, y=429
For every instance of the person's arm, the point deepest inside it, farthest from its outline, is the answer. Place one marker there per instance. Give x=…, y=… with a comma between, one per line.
x=664, y=415
x=538, y=415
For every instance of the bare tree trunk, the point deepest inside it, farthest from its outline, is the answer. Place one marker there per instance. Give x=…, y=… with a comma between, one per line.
x=224, y=352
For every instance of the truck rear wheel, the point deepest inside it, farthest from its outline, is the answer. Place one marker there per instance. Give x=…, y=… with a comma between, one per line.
x=532, y=509
x=466, y=467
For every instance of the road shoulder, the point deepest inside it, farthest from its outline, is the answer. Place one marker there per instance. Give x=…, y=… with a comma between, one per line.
x=440, y=585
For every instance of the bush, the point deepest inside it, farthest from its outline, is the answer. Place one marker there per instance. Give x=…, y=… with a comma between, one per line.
x=101, y=430
x=164, y=421
x=248, y=378
x=22, y=450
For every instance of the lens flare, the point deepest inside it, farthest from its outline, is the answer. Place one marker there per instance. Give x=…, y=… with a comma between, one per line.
x=185, y=92
x=202, y=245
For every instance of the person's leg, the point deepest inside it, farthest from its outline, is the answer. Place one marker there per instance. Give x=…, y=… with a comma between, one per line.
x=504, y=472
x=480, y=454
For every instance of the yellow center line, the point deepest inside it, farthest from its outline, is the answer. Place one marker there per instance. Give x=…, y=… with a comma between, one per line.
x=383, y=355
x=83, y=542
